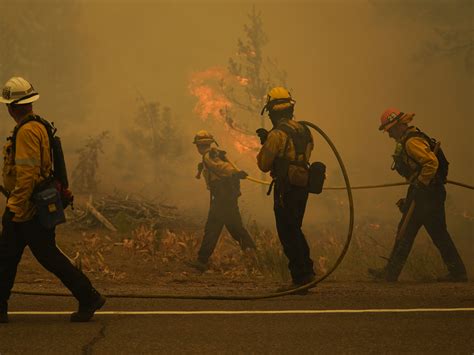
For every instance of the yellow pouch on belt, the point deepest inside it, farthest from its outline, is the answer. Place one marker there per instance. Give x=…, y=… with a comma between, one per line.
x=298, y=175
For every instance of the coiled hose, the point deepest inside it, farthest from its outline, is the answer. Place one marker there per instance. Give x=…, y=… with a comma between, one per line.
x=257, y=296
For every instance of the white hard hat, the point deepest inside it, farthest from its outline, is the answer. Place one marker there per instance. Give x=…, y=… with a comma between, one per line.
x=18, y=91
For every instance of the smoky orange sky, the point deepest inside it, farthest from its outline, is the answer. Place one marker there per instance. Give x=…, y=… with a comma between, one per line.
x=346, y=62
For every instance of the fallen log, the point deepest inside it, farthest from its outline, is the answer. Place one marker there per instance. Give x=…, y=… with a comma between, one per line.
x=100, y=217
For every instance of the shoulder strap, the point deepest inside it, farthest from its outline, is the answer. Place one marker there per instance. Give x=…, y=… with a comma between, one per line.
x=431, y=141
x=50, y=129
x=300, y=139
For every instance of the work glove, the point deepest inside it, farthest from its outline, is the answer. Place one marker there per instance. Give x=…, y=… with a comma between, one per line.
x=7, y=217
x=200, y=167
x=401, y=204
x=262, y=133
x=223, y=155
x=67, y=198
x=241, y=174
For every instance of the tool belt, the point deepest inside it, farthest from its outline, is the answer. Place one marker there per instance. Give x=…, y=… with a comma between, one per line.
x=312, y=178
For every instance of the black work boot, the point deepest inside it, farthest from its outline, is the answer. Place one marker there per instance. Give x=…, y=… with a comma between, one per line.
x=86, y=310
x=452, y=278
x=3, y=312
x=198, y=265
x=297, y=284
x=381, y=275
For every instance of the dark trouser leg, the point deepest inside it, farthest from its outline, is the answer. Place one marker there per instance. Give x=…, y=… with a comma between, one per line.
x=212, y=231
x=435, y=224
x=11, y=250
x=233, y=223
x=289, y=213
x=43, y=246
x=403, y=246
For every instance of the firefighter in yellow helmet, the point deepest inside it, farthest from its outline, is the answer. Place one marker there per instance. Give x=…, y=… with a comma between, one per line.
x=285, y=153
x=422, y=162
x=223, y=182
x=28, y=165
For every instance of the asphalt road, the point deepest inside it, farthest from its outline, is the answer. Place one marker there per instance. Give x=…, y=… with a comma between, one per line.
x=433, y=330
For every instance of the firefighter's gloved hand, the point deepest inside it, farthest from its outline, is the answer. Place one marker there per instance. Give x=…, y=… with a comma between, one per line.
x=7, y=217
x=200, y=167
x=262, y=134
x=67, y=198
x=401, y=204
x=241, y=174
x=223, y=155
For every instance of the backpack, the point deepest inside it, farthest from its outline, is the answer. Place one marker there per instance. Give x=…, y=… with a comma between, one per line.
x=300, y=173
x=443, y=163
x=224, y=187
x=58, y=175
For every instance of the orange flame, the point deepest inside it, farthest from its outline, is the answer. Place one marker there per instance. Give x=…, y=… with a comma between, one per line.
x=212, y=103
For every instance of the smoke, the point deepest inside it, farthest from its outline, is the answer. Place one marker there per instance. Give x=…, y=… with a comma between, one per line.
x=347, y=61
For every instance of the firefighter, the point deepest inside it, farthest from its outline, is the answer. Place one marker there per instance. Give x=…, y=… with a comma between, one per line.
x=223, y=182
x=285, y=152
x=419, y=159
x=28, y=163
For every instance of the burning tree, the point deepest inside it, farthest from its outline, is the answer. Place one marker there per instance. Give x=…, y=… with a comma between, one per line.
x=84, y=176
x=255, y=73
x=229, y=95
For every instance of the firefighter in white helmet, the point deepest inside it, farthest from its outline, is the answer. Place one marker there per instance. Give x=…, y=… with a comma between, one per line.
x=223, y=182
x=285, y=153
x=28, y=166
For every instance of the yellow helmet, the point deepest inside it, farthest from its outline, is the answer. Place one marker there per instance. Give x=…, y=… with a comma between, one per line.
x=278, y=99
x=203, y=137
x=18, y=91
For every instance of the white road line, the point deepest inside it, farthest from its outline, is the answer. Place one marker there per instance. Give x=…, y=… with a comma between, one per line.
x=290, y=311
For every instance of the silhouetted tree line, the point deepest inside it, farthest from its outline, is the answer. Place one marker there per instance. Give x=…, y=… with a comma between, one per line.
x=41, y=41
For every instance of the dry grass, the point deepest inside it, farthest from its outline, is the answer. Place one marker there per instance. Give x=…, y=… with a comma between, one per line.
x=372, y=242
x=227, y=258
x=90, y=256
x=142, y=242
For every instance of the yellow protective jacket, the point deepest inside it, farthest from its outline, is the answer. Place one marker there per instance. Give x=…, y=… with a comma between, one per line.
x=215, y=168
x=417, y=154
x=274, y=147
x=25, y=168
